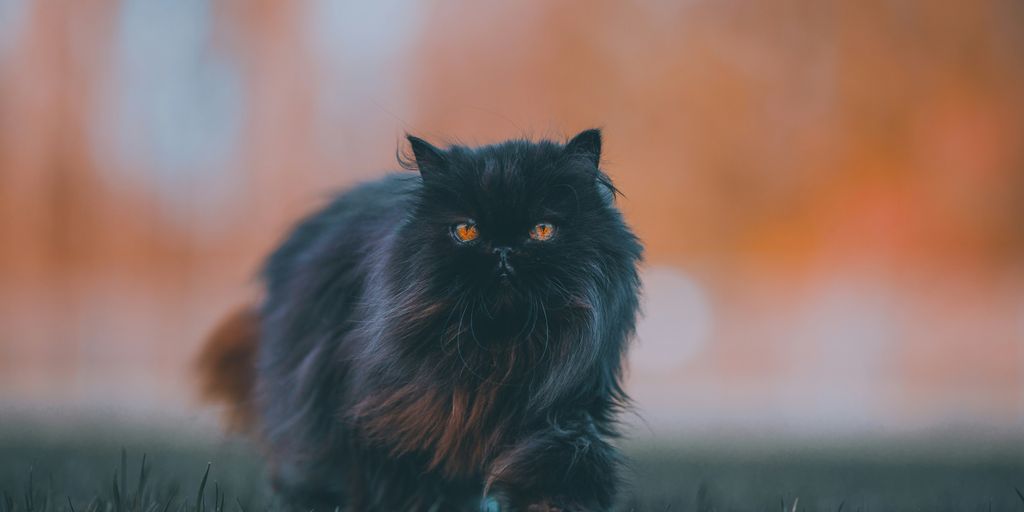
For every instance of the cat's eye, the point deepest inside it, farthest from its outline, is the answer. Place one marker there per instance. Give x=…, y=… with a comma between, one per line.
x=542, y=231
x=465, y=232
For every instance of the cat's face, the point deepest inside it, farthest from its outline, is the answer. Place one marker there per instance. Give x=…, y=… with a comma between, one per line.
x=515, y=225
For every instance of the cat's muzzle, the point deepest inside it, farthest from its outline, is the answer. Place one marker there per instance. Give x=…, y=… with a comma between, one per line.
x=504, y=268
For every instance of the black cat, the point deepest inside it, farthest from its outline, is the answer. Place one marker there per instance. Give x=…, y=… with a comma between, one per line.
x=448, y=340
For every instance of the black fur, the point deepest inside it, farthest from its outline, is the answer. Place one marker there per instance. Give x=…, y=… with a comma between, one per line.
x=397, y=370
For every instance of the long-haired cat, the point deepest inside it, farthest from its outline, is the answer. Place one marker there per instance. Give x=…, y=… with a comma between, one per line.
x=450, y=339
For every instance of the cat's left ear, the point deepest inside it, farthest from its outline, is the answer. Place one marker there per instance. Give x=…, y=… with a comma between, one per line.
x=429, y=159
x=587, y=144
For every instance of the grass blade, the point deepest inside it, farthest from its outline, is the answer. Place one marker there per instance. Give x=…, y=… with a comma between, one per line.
x=168, y=504
x=117, y=494
x=140, y=486
x=202, y=490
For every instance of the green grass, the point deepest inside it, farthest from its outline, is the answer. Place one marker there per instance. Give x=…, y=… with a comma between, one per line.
x=83, y=472
x=97, y=475
x=839, y=478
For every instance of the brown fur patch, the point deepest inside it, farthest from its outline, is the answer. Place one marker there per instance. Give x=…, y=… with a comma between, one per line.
x=458, y=430
x=227, y=367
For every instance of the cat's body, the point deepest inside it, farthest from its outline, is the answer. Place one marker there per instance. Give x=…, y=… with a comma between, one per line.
x=450, y=340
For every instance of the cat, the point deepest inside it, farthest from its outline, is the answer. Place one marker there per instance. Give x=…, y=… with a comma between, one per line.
x=451, y=339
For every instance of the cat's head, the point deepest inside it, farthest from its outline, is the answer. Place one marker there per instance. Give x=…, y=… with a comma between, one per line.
x=519, y=225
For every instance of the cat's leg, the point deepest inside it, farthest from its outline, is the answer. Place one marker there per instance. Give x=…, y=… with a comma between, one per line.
x=564, y=467
x=384, y=483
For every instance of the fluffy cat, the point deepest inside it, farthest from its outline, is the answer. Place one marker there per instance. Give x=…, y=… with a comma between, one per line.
x=447, y=340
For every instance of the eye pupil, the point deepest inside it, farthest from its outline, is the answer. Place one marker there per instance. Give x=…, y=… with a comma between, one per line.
x=542, y=231
x=466, y=232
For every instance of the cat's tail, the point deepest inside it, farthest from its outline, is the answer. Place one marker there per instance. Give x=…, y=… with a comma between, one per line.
x=227, y=367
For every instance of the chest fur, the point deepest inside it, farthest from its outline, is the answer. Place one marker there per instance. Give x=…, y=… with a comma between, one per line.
x=458, y=430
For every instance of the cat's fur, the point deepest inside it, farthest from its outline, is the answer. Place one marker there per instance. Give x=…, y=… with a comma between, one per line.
x=396, y=369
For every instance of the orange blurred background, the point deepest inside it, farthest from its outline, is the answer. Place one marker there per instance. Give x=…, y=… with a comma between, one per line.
x=831, y=192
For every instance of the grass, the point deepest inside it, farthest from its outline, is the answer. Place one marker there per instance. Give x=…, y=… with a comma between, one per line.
x=81, y=472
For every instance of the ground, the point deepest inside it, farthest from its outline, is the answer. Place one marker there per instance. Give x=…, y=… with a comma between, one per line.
x=42, y=471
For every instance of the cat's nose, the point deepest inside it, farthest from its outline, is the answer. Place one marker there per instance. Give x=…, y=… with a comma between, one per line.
x=503, y=253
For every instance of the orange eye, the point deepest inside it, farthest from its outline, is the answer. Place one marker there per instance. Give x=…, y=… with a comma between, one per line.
x=543, y=231
x=465, y=232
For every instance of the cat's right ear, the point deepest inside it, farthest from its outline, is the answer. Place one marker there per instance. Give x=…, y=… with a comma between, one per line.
x=586, y=144
x=426, y=158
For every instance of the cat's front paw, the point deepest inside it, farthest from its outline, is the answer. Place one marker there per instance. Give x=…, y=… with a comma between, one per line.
x=491, y=504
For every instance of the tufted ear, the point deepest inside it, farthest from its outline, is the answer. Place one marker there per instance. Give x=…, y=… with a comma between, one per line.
x=429, y=159
x=587, y=144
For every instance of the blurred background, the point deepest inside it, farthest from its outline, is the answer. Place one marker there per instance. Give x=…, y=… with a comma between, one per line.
x=831, y=192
